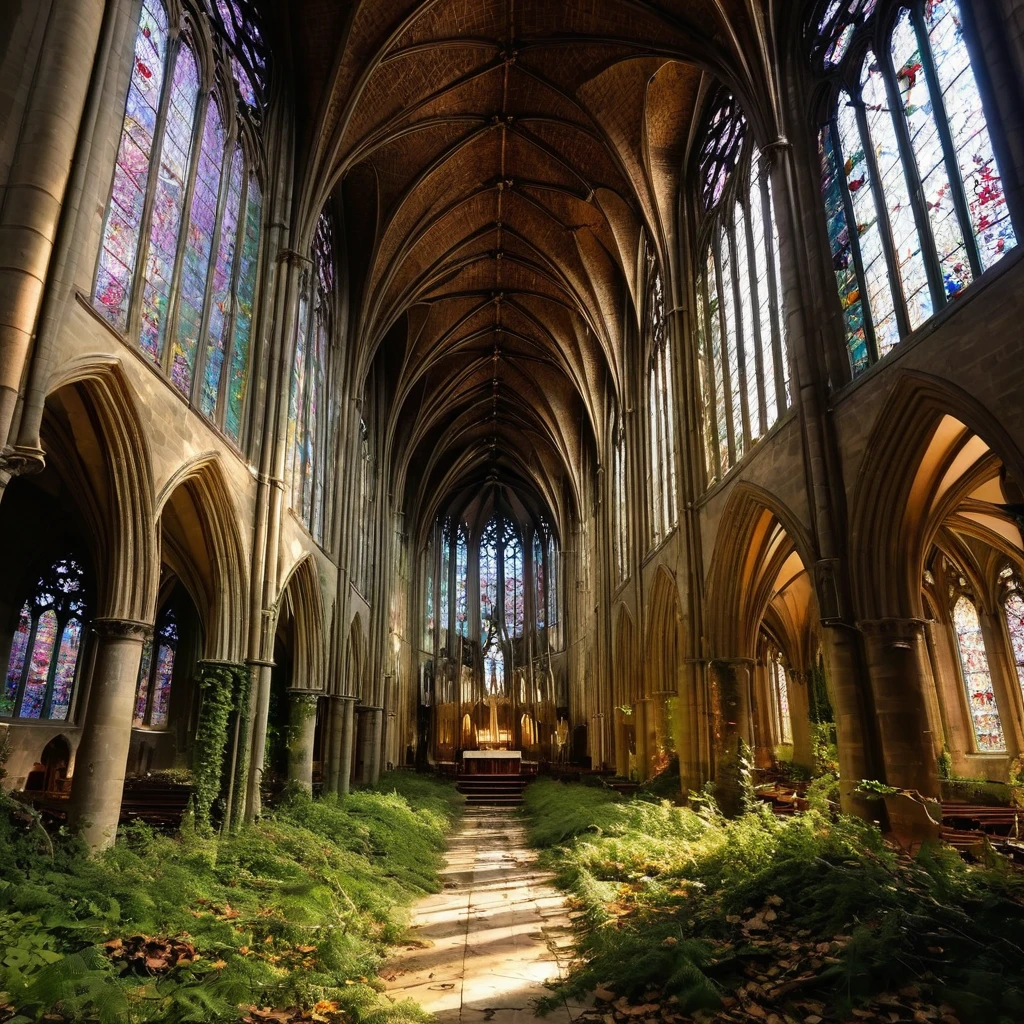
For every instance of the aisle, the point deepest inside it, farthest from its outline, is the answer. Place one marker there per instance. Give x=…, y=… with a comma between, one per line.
x=495, y=934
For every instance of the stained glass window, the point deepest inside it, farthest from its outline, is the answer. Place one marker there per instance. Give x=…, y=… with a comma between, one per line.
x=1013, y=612
x=43, y=662
x=180, y=244
x=221, y=298
x=540, y=591
x=238, y=381
x=156, y=673
x=512, y=565
x=429, y=623
x=981, y=698
x=552, y=568
x=661, y=411
x=306, y=464
x=444, y=575
x=462, y=583
x=168, y=204
x=723, y=139
x=780, y=696
x=742, y=353
x=621, y=508
x=920, y=178
x=489, y=581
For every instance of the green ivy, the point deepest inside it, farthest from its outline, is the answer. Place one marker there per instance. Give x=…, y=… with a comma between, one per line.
x=217, y=686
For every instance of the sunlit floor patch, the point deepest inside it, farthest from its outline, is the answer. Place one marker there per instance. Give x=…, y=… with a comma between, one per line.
x=496, y=935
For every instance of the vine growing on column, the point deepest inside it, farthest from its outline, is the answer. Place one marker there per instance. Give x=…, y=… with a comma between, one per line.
x=217, y=686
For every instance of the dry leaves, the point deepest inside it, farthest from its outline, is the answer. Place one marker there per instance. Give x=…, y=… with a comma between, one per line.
x=150, y=954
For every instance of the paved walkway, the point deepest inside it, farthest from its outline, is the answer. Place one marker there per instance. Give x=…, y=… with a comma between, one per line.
x=491, y=939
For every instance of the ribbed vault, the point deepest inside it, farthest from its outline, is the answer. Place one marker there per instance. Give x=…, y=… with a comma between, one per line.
x=499, y=164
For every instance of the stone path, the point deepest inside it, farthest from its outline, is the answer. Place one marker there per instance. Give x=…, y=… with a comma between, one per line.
x=497, y=932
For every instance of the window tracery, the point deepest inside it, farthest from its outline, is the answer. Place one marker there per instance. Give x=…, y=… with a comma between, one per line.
x=621, y=508
x=660, y=409
x=974, y=666
x=156, y=672
x=309, y=413
x=742, y=355
x=1012, y=593
x=782, y=719
x=914, y=202
x=43, y=663
x=178, y=263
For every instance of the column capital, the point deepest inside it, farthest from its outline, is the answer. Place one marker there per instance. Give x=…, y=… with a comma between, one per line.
x=121, y=629
x=893, y=631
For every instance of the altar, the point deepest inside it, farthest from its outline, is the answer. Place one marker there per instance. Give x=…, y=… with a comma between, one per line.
x=492, y=762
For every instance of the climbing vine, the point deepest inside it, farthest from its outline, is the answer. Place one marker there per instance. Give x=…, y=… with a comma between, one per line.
x=216, y=684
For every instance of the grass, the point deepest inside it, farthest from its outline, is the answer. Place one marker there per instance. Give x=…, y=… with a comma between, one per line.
x=695, y=908
x=295, y=912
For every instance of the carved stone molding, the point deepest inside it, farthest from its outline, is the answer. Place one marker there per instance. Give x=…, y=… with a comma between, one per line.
x=121, y=629
x=893, y=632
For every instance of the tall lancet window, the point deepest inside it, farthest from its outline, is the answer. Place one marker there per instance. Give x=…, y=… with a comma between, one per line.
x=43, y=663
x=743, y=363
x=620, y=506
x=490, y=553
x=178, y=264
x=512, y=563
x=309, y=408
x=661, y=409
x=462, y=582
x=913, y=194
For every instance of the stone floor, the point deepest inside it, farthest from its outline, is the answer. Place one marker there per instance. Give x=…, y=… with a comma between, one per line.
x=491, y=939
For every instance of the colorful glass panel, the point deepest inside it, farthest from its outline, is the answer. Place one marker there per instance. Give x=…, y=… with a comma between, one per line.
x=64, y=672
x=781, y=685
x=892, y=176
x=196, y=267
x=16, y=661
x=244, y=299
x=123, y=228
x=961, y=100
x=981, y=698
x=876, y=270
x=842, y=254
x=162, y=678
x=38, y=675
x=780, y=310
x=296, y=398
x=494, y=666
x=553, y=609
x=461, y=584
x=835, y=27
x=513, y=566
x=168, y=203
x=142, y=690
x=444, y=602
x=221, y=300
x=488, y=577
x=428, y=603
x=538, y=578
x=919, y=113
x=1013, y=609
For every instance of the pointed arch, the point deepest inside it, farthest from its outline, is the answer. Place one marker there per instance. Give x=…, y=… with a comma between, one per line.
x=198, y=522
x=302, y=595
x=760, y=550
x=93, y=413
x=931, y=446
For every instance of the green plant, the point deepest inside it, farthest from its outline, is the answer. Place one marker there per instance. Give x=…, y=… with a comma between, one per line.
x=945, y=764
x=217, y=686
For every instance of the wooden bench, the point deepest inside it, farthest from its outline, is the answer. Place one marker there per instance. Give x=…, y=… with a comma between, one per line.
x=161, y=804
x=993, y=821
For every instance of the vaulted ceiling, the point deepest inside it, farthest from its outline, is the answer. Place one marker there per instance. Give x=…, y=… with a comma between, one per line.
x=498, y=163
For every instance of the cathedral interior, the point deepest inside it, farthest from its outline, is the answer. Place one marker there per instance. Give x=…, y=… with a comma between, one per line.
x=612, y=382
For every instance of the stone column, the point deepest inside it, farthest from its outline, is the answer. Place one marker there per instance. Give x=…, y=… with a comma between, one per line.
x=896, y=658
x=376, y=734
x=364, y=752
x=332, y=742
x=106, y=730
x=37, y=181
x=761, y=716
x=258, y=739
x=730, y=681
x=348, y=731
x=302, y=705
x=800, y=717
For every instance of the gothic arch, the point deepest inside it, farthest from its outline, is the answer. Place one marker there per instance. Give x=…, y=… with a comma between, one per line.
x=198, y=522
x=931, y=447
x=93, y=425
x=760, y=550
x=302, y=597
x=625, y=689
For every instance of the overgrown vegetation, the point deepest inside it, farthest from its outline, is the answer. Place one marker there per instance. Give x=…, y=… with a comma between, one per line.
x=294, y=913
x=806, y=918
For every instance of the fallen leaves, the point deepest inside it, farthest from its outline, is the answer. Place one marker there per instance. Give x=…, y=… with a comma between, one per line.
x=148, y=955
